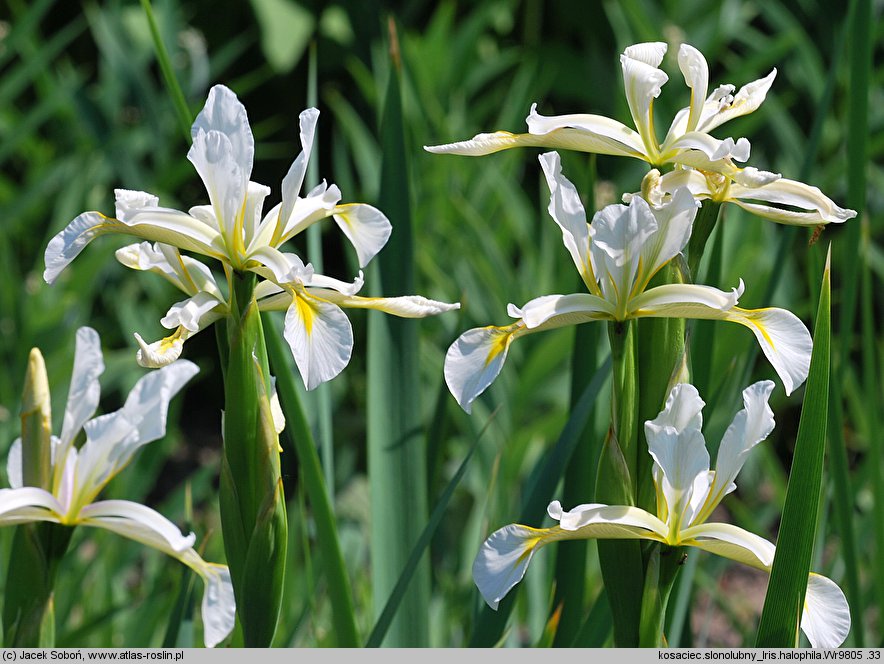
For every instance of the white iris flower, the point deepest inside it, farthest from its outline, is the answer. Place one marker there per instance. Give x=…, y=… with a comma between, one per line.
x=687, y=493
x=688, y=141
x=79, y=475
x=234, y=230
x=616, y=256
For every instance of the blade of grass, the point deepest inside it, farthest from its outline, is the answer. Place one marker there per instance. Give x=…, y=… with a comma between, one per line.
x=489, y=626
x=386, y=617
x=396, y=441
x=314, y=251
x=185, y=118
x=780, y=617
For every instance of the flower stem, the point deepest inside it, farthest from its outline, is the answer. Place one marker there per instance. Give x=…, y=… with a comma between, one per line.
x=252, y=502
x=662, y=567
x=621, y=560
x=704, y=224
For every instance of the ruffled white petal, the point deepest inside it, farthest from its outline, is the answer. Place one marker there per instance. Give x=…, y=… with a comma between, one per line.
x=598, y=521
x=729, y=541
x=683, y=409
x=782, y=336
x=675, y=219
x=643, y=81
x=160, y=353
x=193, y=314
x=475, y=359
x=720, y=107
x=503, y=560
x=619, y=233
x=587, y=133
x=184, y=272
x=826, y=616
x=681, y=457
x=320, y=337
x=137, y=522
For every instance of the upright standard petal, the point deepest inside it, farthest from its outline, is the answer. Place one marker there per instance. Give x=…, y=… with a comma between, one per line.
x=619, y=233
x=696, y=74
x=749, y=427
x=681, y=457
x=294, y=179
x=112, y=439
x=644, y=81
x=85, y=391
x=320, y=337
x=567, y=211
x=222, y=153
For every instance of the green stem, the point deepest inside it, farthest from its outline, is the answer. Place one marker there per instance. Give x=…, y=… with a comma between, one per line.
x=704, y=224
x=298, y=429
x=621, y=560
x=662, y=568
x=251, y=493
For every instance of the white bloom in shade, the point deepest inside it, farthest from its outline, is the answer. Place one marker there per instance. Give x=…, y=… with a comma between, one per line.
x=687, y=142
x=687, y=493
x=759, y=192
x=79, y=475
x=616, y=256
x=234, y=230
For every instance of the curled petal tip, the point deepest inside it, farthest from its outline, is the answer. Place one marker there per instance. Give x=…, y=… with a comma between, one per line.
x=160, y=353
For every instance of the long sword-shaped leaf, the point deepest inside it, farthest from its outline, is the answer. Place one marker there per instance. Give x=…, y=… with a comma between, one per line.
x=783, y=603
x=386, y=617
x=396, y=441
x=489, y=626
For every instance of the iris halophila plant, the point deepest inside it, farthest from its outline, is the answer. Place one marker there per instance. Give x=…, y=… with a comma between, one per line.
x=55, y=482
x=617, y=256
x=687, y=493
x=259, y=275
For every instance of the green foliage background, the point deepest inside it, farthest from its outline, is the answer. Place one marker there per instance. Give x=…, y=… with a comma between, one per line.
x=83, y=110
